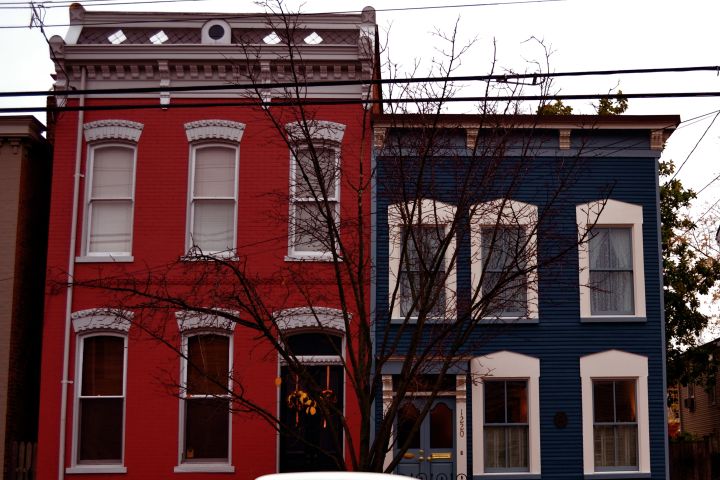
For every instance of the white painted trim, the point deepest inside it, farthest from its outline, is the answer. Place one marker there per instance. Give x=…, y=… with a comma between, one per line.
x=461, y=427
x=214, y=130
x=197, y=465
x=87, y=211
x=308, y=317
x=428, y=212
x=318, y=130
x=102, y=319
x=615, y=364
x=513, y=213
x=329, y=135
x=189, y=322
x=505, y=365
x=75, y=466
x=608, y=214
x=189, y=245
x=115, y=129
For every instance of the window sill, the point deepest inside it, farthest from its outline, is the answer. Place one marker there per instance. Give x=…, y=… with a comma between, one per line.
x=508, y=476
x=209, y=257
x=613, y=319
x=624, y=474
x=104, y=259
x=96, y=469
x=413, y=320
x=325, y=257
x=204, y=467
x=510, y=321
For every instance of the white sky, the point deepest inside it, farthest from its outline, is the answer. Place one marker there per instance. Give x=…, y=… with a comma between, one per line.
x=584, y=35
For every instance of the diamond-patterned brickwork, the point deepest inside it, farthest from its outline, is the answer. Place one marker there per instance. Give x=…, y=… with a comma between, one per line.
x=139, y=36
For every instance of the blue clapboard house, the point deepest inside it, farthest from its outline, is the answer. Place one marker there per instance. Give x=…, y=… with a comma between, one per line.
x=538, y=238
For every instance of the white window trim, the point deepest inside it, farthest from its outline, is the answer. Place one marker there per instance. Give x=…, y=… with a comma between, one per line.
x=611, y=213
x=189, y=244
x=329, y=136
x=88, y=256
x=433, y=213
x=514, y=213
x=93, y=323
x=505, y=365
x=615, y=365
x=192, y=324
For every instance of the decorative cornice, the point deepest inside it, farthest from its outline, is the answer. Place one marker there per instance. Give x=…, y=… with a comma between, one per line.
x=564, y=138
x=101, y=319
x=189, y=321
x=658, y=139
x=306, y=317
x=379, y=137
x=112, y=130
x=317, y=130
x=471, y=135
x=214, y=130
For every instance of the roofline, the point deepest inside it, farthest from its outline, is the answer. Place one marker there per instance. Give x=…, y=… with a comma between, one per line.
x=571, y=122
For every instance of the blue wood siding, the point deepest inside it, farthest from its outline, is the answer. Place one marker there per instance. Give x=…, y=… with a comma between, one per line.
x=618, y=165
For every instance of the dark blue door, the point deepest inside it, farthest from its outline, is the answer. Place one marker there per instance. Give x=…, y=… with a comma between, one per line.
x=431, y=455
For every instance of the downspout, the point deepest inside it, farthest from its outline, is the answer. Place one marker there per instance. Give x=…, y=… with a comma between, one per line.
x=70, y=279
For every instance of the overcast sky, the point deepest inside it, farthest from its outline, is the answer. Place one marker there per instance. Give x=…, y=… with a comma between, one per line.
x=583, y=34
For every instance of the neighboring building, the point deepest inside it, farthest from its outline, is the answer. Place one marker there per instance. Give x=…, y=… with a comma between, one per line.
x=138, y=190
x=25, y=159
x=564, y=375
x=698, y=406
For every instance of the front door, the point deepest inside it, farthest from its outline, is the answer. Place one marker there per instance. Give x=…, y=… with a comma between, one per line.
x=431, y=455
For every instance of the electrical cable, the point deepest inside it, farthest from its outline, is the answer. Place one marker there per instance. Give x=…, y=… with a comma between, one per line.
x=335, y=83
x=695, y=147
x=353, y=101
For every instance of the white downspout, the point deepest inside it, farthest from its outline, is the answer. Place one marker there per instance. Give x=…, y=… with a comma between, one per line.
x=70, y=279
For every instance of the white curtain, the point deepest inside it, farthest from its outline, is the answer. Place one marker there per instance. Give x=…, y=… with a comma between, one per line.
x=611, y=274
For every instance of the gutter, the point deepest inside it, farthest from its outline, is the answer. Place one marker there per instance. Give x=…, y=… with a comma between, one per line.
x=70, y=279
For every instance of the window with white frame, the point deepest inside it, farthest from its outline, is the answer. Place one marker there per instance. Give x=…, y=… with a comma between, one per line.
x=213, y=186
x=615, y=428
x=206, y=382
x=314, y=187
x=110, y=188
x=506, y=413
x=612, y=278
x=422, y=264
x=615, y=412
x=100, y=391
x=504, y=259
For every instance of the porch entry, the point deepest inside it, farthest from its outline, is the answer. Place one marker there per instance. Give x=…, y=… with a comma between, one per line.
x=432, y=452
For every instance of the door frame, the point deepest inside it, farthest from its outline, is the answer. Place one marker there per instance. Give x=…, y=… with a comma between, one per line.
x=460, y=394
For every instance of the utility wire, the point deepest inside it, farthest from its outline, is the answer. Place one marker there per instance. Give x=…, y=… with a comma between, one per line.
x=695, y=147
x=353, y=101
x=207, y=16
x=334, y=83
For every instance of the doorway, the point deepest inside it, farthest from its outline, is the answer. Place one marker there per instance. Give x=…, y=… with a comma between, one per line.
x=431, y=455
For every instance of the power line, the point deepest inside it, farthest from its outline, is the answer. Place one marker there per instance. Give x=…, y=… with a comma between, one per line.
x=695, y=147
x=207, y=16
x=309, y=102
x=334, y=83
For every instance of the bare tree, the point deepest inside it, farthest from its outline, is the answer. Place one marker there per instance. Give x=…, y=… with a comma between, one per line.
x=445, y=183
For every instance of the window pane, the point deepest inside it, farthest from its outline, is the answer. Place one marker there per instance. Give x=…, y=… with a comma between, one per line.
x=206, y=429
x=103, y=365
x=315, y=344
x=305, y=168
x=311, y=231
x=495, y=447
x=625, y=408
x=407, y=416
x=603, y=401
x=441, y=426
x=213, y=225
x=611, y=292
x=604, y=446
x=503, y=248
x=494, y=401
x=101, y=425
x=517, y=438
x=208, y=364
x=422, y=247
x=611, y=249
x=506, y=448
x=627, y=445
x=110, y=226
x=214, y=172
x=112, y=175
x=517, y=402
x=504, y=254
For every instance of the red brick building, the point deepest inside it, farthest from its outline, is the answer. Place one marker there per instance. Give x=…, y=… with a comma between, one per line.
x=150, y=190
